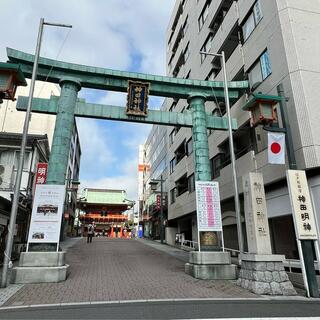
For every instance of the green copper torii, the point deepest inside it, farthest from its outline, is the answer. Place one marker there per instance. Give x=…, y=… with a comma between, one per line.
x=72, y=76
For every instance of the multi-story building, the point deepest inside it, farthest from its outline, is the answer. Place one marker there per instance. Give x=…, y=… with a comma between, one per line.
x=11, y=123
x=37, y=150
x=154, y=166
x=267, y=43
x=12, y=120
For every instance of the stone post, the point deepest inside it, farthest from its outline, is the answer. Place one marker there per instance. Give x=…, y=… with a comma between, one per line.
x=261, y=271
x=59, y=156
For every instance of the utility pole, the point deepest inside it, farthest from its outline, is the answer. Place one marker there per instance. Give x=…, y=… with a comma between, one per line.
x=231, y=147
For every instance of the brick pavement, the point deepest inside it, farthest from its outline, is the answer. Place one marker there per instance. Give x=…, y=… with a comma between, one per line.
x=119, y=269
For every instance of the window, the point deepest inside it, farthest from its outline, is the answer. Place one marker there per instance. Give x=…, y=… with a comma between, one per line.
x=185, y=26
x=25, y=160
x=186, y=52
x=217, y=163
x=173, y=195
x=171, y=136
x=252, y=21
x=191, y=183
x=265, y=65
x=172, y=106
x=180, y=152
x=172, y=165
x=203, y=16
x=260, y=70
x=189, y=146
x=206, y=46
x=182, y=185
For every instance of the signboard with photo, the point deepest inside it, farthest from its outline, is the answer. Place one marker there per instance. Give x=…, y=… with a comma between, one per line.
x=208, y=206
x=47, y=213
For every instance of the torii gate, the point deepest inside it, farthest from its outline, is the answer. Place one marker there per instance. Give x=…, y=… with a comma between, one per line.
x=72, y=77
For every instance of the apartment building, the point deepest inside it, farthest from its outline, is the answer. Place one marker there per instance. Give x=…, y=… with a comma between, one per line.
x=153, y=164
x=266, y=42
x=37, y=150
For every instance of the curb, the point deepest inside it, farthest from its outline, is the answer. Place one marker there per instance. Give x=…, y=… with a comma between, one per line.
x=71, y=304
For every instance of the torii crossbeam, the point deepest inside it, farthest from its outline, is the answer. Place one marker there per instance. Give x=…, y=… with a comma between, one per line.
x=72, y=77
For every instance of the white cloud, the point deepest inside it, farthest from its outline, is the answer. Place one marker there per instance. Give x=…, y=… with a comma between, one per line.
x=124, y=35
x=96, y=152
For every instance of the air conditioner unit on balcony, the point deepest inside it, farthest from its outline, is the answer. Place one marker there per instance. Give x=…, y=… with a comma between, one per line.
x=6, y=176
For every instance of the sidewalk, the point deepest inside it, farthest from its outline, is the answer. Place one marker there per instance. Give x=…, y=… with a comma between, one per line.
x=172, y=251
x=11, y=289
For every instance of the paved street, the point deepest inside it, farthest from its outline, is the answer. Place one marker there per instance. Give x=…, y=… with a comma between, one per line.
x=213, y=309
x=119, y=269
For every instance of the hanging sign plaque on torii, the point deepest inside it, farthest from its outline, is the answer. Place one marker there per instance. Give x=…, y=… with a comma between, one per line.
x=137, y=99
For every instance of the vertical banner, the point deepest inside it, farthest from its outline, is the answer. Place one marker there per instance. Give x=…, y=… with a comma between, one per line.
x=276, y=147
x=208, y=206
x=46, y=214
x=41, y=174
x=301, y=205
x=158, y=201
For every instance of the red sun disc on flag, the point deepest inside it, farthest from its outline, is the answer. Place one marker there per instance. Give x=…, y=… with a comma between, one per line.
x=275, y=147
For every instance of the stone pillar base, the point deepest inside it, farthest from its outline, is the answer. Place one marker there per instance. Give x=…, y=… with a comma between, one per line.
x=37, y=267
x=211, y=265
x=265, y=274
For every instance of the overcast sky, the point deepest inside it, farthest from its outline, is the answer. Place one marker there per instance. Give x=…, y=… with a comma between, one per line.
x=116, y=34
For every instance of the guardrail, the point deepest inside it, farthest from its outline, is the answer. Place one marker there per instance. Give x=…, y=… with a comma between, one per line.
x=189, y=244
x=288, y=263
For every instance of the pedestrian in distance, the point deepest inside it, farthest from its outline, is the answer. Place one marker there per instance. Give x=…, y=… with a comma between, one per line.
x=90, y=233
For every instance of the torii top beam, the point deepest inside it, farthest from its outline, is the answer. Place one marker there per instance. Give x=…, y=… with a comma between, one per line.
x=114, y=80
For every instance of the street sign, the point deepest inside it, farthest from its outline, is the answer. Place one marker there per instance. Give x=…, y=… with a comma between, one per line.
x=208, y=206
x=301, y=205
x=137, y=99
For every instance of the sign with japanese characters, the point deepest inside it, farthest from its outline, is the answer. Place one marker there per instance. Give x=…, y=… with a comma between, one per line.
x=255, y=209
x=208, y=206
x=301, y=205
x=137, y=99
x=41, y=174
x=46, y=213
x=158, y=201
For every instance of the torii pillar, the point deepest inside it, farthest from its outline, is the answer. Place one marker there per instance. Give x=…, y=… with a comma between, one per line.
x=204, y=264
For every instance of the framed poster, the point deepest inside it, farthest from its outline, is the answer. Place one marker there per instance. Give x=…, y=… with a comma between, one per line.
x=46, y=214
x=208, y=206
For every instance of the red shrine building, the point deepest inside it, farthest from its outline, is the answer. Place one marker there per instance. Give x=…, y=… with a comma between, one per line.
x=104, y=208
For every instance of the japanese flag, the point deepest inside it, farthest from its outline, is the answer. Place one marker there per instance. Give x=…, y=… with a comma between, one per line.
x=276, y=146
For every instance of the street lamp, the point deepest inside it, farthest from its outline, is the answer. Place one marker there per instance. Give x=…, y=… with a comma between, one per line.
x=11, y=77
x=153, y=184
x=132, y=202
x=268, y=101
x=231, y=146
x=14, y=207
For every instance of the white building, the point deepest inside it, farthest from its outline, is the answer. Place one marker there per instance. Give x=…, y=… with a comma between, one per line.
x=266, y=42
x=12, y=120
